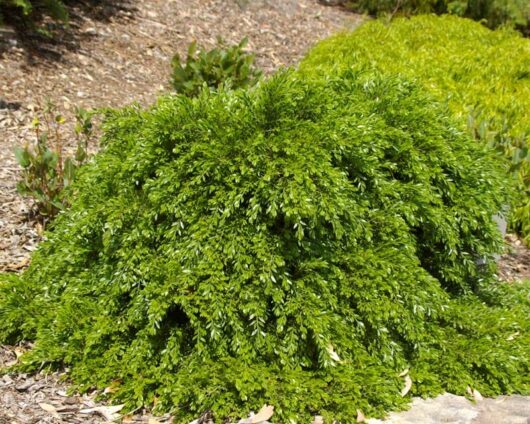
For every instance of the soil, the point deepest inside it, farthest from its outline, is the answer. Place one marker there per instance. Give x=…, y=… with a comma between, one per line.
x=514, y=265
x=112, y=55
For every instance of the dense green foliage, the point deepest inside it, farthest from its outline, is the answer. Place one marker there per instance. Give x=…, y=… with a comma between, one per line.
x=493, y=13
x=299, y=243
x=25, y=8
x=484, y=76
x=221, y=65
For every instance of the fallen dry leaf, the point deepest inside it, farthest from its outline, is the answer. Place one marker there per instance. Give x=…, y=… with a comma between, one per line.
x=332, y=354
x=19, y=265
x=408, y=386
x=360, y=416
x=318, y=420
x=114, y=386
x=19, y=352
x=11, y=363
x=50, y=408
x=404, y=372
x=474, y=393
x=110, y=413
x=263, y=415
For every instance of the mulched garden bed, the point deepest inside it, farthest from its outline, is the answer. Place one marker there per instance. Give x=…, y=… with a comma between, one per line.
x=112, y=58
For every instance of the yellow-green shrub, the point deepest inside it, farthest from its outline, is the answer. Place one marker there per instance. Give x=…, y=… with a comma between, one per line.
x=484, y=76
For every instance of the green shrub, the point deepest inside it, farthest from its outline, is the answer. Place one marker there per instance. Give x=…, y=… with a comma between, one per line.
x=483, y=75
x=493, y=13
x=385, y=7
x=24, y=9
x=299, y=243
x=213, y=68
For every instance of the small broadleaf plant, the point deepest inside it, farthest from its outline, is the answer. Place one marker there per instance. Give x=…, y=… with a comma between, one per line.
x=221, y=65
x=46, y=171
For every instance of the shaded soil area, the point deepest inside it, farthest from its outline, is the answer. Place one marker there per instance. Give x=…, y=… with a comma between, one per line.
x=515, y=263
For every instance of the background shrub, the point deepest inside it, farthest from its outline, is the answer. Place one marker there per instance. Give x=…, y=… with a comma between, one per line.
x=493, y=13
x=24, y=9
x=47, y=21
x=483, y=75
x=300, y=243
x=221, y=65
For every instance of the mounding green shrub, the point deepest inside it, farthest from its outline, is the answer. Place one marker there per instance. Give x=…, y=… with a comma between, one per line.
x=483, y=75
x=301, y=244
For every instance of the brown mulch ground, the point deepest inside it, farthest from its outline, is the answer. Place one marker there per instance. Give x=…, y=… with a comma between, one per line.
x=43, y=398
x=40, y=398
x=111, y=57
x=515, y=263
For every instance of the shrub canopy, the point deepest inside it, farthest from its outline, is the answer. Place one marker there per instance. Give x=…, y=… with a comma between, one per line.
x=299, y=243
x=483, y=75
x=493, y=13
